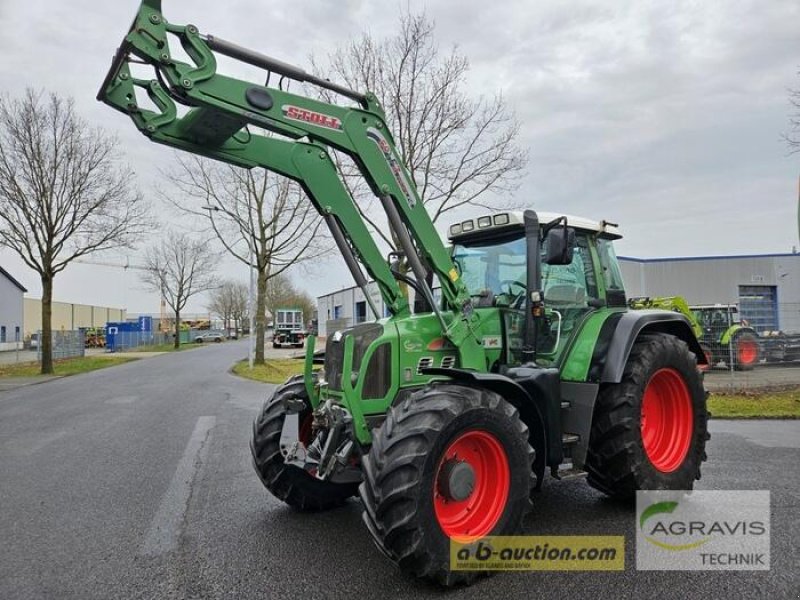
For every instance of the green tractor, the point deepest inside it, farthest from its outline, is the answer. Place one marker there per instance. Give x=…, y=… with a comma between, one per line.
x=723, y=336
x=444, y=417
x=726, y=337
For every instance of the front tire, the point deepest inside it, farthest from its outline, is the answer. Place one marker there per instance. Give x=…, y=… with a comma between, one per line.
x=451, y=461
x=289, y=483
x=649, y=431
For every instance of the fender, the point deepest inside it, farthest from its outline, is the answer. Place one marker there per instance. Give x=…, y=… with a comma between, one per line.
x=734, y=330
x=628, y=327
x=518, y=397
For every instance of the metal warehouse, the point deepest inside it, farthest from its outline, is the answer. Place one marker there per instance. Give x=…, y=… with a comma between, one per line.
x=765, y=287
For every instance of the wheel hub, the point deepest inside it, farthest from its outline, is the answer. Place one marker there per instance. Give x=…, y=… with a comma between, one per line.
x=456, y=480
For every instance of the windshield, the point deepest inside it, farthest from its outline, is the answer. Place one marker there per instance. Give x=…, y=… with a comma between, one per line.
x=717, y=317
x=493, y=270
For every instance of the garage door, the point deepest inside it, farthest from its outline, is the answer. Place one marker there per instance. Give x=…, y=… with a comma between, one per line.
x=759, y=305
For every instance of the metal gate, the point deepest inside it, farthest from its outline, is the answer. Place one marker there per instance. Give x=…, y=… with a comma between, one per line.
x=758, y=304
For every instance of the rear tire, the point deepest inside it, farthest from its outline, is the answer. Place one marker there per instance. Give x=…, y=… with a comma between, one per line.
x=413, y=499
x=289, y=483
x=649, y=431
x=746, y=352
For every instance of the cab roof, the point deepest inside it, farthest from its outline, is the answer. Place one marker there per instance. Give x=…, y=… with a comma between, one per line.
x=513, y=219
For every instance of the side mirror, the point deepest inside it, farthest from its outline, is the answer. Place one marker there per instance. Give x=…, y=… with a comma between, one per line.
x=559, y=245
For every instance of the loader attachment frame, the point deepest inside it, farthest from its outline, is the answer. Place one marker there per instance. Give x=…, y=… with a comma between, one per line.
x=302, y=131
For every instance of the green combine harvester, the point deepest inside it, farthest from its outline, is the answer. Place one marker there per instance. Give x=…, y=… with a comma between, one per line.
x=446, y=417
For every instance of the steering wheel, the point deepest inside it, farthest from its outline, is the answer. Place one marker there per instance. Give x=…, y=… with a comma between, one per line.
x=514, y=299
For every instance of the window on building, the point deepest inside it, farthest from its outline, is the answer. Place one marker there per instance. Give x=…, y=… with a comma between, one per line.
x=2, y=334
x=361, y=311
x=16, y=333
x=337, y=311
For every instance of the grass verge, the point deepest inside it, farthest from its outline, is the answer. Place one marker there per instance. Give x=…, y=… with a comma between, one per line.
x=770, y=405
x=272, y=371
x=68, y=366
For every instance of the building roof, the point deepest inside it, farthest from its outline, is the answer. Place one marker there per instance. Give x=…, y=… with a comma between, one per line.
x=690, y=258
x=12, y=280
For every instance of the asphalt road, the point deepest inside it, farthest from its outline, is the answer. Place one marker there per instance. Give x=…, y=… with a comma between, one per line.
x=135, y=482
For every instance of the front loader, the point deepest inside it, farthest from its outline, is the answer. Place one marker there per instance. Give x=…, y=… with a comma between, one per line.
x=443, y=418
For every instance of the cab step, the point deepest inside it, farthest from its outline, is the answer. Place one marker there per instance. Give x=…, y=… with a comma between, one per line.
x=568, y=439
x=567, y=471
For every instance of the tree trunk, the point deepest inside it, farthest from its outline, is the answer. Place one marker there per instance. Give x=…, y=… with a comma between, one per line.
x=177, y=329
x=261, y=309
x=46, y=338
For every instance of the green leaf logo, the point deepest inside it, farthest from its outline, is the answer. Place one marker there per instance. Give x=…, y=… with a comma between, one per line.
x=665, y=508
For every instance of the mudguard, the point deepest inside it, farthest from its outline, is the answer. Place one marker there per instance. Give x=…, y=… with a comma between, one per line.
x=516, y=395
x=620, y=337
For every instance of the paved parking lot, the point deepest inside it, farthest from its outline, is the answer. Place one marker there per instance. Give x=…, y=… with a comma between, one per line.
x=135, y=482
x=761, y=377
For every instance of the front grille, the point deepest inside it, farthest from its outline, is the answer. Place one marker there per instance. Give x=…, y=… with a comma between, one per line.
x=378, y=377
x=334, y=359
x=363, y=335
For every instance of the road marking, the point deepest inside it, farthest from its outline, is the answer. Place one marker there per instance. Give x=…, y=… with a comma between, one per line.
x=165, y=528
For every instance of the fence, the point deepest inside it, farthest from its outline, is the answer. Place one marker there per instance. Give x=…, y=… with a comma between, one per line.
x=127, y=340
x=751, y=347
x=66, y=344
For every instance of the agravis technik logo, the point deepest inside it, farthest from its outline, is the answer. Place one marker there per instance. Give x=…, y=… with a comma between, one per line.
x=707, y=530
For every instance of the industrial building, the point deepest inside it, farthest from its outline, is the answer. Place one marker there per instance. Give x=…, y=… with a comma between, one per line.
x=11, y=311
x=765, y=287
x=68, y=317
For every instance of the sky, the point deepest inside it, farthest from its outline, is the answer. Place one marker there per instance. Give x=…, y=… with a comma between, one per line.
x=663, y=117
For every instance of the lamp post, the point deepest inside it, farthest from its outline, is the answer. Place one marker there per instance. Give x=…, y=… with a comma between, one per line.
x=250, y=293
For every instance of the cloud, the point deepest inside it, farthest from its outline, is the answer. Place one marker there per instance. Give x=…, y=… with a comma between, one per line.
x=664, y=117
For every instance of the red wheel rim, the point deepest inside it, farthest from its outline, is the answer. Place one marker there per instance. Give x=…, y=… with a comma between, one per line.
x=748, y=351
x=666, y=421
x=475, y=516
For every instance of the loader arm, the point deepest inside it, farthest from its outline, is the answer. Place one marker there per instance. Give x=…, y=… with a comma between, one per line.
x=216, y=126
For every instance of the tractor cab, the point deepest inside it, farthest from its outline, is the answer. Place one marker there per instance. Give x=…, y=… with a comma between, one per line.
x=575, y=272
x=716, y=318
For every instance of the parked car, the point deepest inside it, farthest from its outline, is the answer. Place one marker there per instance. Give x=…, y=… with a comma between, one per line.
x=33, y=343
x=209, y=337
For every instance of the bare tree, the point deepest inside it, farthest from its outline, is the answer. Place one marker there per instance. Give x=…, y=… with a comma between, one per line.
x=457, y=148
x=63, y=192
x=792, y=137
x=178, y=268
x=239, y=305
x=282, y=293
x=229, y=302
x=253, y=210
